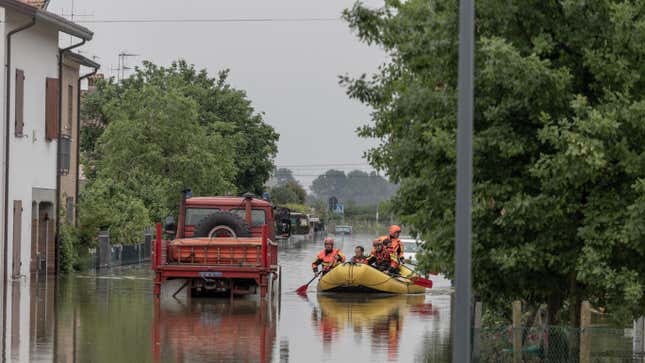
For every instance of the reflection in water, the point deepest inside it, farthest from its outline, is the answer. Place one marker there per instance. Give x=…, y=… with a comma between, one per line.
x=113, y=317
x=379, y=317
x=213, y=330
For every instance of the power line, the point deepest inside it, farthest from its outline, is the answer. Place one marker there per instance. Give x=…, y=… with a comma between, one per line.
x=212, y=20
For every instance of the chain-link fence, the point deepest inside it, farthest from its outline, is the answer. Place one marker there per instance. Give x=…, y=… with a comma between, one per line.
x=554, y=344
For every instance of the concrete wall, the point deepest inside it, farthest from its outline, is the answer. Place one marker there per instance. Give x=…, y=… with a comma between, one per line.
x=32, y=159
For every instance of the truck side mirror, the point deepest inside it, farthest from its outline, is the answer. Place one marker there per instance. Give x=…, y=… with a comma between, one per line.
x=170, y=226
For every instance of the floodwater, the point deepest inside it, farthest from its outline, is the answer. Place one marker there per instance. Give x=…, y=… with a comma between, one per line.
x=112, y=317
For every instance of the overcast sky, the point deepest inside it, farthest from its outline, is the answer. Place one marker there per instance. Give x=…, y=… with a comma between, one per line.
x=289, y=69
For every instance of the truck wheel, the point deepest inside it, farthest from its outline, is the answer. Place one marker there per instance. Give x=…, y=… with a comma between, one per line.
x=222, y=224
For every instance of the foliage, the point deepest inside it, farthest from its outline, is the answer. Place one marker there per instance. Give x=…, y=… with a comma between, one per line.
x=298, y=208
x=356, y=187
x=559, y=163
x=289, y=192
x=222, y=111
x=69, y=247
x=284, y=176
x=106, y=204
x=146, y=151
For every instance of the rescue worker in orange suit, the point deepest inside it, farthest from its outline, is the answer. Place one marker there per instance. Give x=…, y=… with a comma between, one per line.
x=329, y=257
x=397, y=245
x=359, y=255
x=383, y=257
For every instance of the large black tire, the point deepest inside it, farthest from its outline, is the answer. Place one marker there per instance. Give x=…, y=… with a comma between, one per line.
x=226, y=219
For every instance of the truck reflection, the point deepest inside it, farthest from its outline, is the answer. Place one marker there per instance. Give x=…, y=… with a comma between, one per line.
x=379, y=317
x=213, y=330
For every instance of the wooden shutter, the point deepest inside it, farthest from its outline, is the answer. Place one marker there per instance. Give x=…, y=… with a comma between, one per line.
x=51, y=108
x=20, y=101
x=17, y=236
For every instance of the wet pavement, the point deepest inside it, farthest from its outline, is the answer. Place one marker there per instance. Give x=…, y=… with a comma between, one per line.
x=112, y=317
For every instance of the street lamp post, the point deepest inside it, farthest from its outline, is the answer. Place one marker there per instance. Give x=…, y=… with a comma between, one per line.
x=461, y=348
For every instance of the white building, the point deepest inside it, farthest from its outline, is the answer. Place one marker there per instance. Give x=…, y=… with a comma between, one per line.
x=31, y=132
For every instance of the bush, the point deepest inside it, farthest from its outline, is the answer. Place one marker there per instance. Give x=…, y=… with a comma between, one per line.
x=69, y=247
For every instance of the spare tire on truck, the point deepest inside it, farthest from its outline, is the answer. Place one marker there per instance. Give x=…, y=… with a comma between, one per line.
x=222, y=224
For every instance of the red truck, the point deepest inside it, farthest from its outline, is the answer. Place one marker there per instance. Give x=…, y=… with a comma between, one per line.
x=220, y=244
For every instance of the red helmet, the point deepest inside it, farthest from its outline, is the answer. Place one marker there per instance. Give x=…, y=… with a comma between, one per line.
x=328, y=240
x=394, y=229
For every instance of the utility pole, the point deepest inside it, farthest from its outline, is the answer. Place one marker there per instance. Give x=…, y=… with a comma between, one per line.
x=461, y=348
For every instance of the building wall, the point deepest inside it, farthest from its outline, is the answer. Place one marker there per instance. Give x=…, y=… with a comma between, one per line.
x=70, y=128
x=32, y=159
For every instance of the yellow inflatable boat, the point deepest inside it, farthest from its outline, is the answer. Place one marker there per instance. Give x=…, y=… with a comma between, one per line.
x=350, y=277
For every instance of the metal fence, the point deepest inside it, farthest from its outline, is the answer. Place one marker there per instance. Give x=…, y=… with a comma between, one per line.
x=555, y=344
x=108, y=255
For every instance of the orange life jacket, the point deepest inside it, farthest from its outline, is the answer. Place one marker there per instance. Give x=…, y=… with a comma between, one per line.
x=395, y=245
x=328, y=260
x=383, y=258
x=362, y=259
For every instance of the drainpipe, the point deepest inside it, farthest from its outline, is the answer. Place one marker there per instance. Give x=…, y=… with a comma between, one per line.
x=6, y=171
x=78, y=138
x=61, y=54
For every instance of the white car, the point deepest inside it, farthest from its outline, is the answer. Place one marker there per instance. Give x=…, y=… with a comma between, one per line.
x=410, y=248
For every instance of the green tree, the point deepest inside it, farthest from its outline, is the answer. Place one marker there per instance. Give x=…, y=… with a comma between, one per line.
x=105, y=204
x=221, y=109
x=153, y=147
x=559, y=163
x=284, y=176
x=289, y=193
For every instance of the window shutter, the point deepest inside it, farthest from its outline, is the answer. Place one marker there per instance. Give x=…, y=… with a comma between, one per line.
x=51, y=108
x=17, y=236
x=20, y=102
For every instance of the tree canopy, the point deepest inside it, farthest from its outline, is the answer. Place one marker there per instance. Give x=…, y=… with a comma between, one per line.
x=290, y=192
x=220, y=109
x=356, y=187
x=163, y=130
x=559, y=163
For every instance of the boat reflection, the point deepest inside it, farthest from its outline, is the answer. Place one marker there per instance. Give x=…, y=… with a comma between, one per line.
x=381, y=318
x=213, y=330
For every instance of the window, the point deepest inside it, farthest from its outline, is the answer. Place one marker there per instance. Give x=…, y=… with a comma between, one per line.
x=65, y=154
x=70, y=108
x=51, y=108
x=69, y=209
x=258, y=216
x=20, y=102
x=194, y=215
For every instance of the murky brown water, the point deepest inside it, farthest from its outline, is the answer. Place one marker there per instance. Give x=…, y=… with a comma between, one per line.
x=111, y=317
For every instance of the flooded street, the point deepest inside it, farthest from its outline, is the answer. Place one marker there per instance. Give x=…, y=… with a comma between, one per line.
x=112, y=317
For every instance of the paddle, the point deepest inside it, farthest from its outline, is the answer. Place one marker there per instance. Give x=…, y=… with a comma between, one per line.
x=419, y=281
x=302, y=290
x=431, y=273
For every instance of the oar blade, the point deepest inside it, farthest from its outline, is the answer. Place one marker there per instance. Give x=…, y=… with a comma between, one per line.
x=302, y=290
x=420, y=281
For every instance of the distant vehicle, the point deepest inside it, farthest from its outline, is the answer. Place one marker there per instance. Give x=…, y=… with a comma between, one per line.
x=343, y=230
x=299, y=224
x=410, y=248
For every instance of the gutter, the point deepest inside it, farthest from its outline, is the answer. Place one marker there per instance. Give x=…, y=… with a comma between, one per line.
x=61, y=54
x=6, y=176
x=78, y=137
